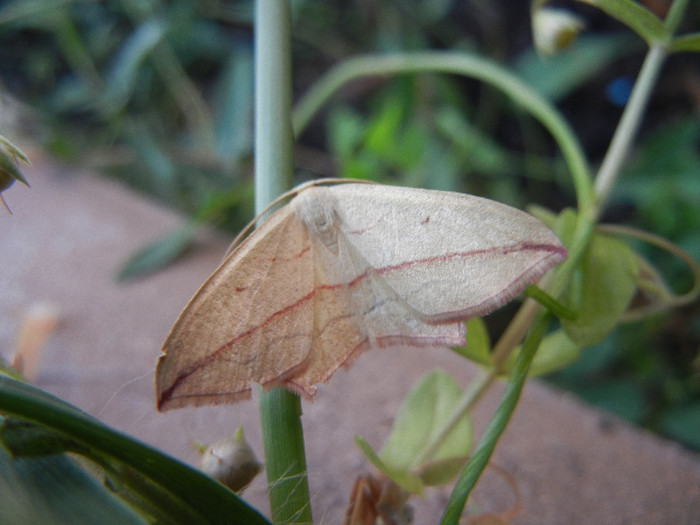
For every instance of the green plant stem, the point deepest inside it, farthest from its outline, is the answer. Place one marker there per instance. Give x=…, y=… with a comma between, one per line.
x=480, y=458
x=626, y=130
x=274, y=141
x=675, y=15
x=280, y=411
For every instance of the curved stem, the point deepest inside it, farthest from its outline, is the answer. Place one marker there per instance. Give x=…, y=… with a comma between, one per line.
x=459, y=64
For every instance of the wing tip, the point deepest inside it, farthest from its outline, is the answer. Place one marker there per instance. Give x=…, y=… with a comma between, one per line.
x=555, y=254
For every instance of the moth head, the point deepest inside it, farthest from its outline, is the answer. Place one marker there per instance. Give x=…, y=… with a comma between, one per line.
x=315, y=207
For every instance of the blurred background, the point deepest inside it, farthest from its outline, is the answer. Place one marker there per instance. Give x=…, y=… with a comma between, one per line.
x=158, y=94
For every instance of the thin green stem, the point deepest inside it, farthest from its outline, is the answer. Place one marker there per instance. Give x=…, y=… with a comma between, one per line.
x=675, y=15
x=629, y=125
x=480, y=458
x=280, y=411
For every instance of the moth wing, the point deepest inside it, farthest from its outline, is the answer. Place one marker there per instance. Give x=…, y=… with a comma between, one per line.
x=357, y=310
x=248, y=322
x=449, y=256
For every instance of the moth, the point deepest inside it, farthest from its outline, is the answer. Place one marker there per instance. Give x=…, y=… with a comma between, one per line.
x=342, y=269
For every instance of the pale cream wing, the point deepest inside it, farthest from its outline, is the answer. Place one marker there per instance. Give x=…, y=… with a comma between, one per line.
x=355, y=310
x=249, y=322
x=449, y=256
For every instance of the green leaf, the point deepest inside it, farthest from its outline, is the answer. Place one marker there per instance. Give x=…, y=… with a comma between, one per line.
x=564, y=225
x=607, y=282
x=682, y=423
x=623, y=397
x=424, y=412
x=689, y=42
x=157, y=255
x=26, y=439
x=477, y=347
x=16, y=153
x=555, y=352
x=10, y=156
x=547, y=216
x=199, y=494
x=638, y=18
x=54, y=490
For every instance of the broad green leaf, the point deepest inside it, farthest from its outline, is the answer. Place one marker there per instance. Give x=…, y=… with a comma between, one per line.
x=157, y=255
x=683, y=423
x=23, y=438
x=689, y=42
x=565, y=226
x=547, y=216
x=624, y=397
x=199, y=494
x=608, y=280
x=555, y=352
x=426, y=409
x=477, y=347
x=54, y=490
x=441, y=471
x=638, y=18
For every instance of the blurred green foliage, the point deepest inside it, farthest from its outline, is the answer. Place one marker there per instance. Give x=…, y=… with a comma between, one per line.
x=159, y=94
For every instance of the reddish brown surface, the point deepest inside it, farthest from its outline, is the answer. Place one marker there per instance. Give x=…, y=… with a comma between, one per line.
x=69, y=233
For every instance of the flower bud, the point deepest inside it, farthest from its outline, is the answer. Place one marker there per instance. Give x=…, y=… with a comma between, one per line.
x=231, y=461
x=554, y=29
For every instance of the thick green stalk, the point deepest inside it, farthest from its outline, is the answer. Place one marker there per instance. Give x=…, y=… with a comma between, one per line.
x=280, y=411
